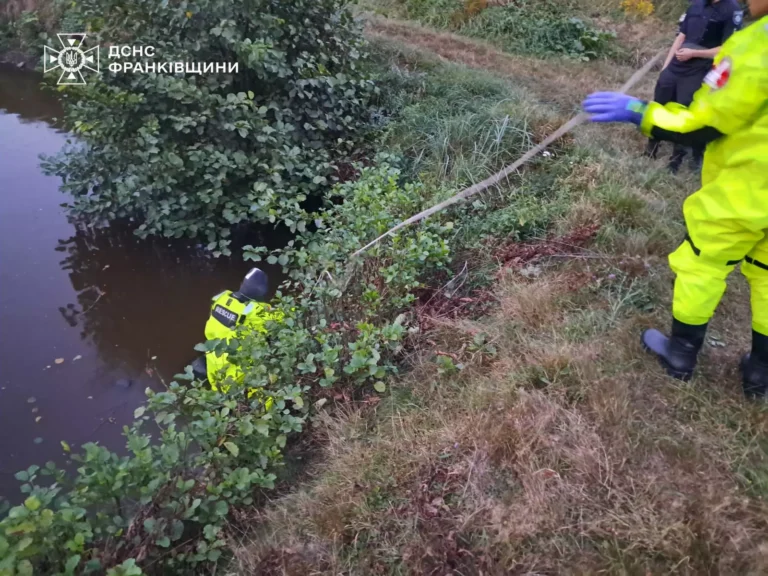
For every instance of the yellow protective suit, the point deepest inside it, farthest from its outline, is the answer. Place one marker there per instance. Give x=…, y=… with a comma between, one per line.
x=727, y=219
x=228, y=314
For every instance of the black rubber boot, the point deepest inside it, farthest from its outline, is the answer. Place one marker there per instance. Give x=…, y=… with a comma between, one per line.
x=652, y=148
x=676, y=160
x=679, y=352
x=754, y=369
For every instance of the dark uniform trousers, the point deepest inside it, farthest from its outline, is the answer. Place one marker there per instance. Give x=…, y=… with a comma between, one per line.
x=673, y=87
x=706, y=24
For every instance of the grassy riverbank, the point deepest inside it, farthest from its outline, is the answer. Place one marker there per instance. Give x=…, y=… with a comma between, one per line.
x=531, y=433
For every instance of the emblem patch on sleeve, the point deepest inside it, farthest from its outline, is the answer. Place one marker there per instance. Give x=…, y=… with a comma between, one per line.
x=738, y=17
x=719, y=75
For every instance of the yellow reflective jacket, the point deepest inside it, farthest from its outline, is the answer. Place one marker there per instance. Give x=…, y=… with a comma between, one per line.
x=228, y=314
x=732, y=106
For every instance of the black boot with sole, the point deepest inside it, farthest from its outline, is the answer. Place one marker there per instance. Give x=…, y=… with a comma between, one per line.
x=754, y=369
x=679, y=352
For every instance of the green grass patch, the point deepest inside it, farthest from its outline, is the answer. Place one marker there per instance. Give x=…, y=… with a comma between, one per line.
x=456, y=126
x=534, y=27
x=540, y=28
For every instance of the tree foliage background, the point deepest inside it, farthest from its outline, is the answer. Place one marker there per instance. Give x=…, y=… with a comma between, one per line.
x=197, y=154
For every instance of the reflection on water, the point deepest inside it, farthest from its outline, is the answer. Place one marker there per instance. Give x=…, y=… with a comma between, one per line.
x=21, y=94
x=82, y=309
x=132, y=295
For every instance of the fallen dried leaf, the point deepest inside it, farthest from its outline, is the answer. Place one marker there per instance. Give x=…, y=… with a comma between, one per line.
x=373, y=400
x=430, y=511
x=549, y=473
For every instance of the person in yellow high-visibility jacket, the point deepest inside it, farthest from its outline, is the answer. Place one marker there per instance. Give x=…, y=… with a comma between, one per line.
x=727, y=218
x=231, y=311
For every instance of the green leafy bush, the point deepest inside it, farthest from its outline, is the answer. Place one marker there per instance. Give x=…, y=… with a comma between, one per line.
x=214, y=449
x=166, y=503
x=350, y=311
x=198, y=154
x=355, y=212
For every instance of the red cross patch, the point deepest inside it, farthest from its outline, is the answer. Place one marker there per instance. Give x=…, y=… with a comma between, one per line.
x=719, y=75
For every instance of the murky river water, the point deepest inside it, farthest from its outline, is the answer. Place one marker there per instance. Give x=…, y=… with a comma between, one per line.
x=100, y=300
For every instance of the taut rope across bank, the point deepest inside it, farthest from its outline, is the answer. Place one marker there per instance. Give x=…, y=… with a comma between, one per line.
x=499, y=176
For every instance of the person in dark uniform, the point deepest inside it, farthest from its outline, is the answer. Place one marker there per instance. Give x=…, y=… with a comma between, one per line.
x=705, y=26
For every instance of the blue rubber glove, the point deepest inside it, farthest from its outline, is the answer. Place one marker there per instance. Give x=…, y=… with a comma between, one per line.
x=614, y=107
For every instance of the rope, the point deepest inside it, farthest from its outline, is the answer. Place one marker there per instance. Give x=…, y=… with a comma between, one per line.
x=499, y=176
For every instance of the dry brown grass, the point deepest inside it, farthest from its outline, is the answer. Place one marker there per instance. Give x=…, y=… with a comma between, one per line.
x=665, y=10
x=562, y=456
